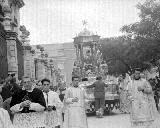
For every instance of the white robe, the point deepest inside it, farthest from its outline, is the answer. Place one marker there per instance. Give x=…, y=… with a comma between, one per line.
x=143, y=109
x=54, y=118
x=5, y=121
x=75, y=116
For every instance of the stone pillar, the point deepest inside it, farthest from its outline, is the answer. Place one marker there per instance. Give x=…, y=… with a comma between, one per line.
x=7, y=17
x=27, y=61
x=40, y=69
x=12, y=53
x=81, y=51
x=54, y=78
x=48, y=75
x=82, y=58
x=27, y=50
x=32, y=67
x=11, y=38
x=77, y=51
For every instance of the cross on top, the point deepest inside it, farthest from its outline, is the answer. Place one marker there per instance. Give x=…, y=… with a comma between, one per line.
x=84, y=23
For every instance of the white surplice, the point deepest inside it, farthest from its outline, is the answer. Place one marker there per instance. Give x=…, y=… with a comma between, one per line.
x=75, y=116
x=5, y=121
x=143, y=109
x=29, y=120
x=53, y=118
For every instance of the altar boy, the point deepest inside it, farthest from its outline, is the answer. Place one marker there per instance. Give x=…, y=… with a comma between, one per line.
x=53, y=105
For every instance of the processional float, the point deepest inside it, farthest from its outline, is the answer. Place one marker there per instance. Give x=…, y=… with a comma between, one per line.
x=90, y=64
x=89, y=61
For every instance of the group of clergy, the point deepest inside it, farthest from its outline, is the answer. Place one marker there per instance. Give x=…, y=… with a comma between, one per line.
x=35, y=108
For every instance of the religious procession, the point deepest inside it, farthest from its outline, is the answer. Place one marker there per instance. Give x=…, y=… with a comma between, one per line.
x=51, y=77
x=30, y=105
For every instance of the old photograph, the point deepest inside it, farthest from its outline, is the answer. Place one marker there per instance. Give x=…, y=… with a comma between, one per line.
x=79, y=63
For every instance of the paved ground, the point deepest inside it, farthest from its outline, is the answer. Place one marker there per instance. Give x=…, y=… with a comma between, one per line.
x=113, y=120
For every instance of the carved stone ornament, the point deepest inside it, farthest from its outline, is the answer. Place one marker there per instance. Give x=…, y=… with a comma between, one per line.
x=7, y=16
x=6, y=8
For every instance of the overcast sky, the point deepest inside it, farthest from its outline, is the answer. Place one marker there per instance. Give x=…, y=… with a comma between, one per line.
x=58, y=21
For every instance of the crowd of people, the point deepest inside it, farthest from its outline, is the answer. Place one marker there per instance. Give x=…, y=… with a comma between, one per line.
x=29, y=103
x=37, y=104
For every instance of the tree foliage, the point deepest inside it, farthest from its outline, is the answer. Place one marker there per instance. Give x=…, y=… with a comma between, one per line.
x=140, y=44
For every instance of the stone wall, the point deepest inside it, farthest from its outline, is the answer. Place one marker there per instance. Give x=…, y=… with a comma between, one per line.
x=3, y=54
x=11, y=26
x=64, y=55
x=12, y=52
x=40, y=69
x=20, y=59
x=27, y=61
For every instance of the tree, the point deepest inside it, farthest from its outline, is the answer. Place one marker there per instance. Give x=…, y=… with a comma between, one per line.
x=114, y=53
x=146, y=33
x=140, y=44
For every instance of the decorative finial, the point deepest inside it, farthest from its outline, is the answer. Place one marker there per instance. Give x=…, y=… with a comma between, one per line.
x=84, y=23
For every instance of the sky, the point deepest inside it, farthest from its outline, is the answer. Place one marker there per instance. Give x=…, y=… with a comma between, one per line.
x=58, y=21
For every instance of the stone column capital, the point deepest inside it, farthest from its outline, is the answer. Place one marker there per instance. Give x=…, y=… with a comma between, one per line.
x=11, y=35
x=7, y=17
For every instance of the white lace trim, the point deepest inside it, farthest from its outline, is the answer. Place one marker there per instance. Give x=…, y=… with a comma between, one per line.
x=36, y=120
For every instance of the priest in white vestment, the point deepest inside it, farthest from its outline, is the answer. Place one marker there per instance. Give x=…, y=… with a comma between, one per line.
x=75, y=115
x=5, y=121
x=53, y=106
x=143, y=109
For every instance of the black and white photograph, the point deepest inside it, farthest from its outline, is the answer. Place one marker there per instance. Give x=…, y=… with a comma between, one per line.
x=79, y=63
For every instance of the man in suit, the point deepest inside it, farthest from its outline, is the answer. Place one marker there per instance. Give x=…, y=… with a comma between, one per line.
x=99, y=94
